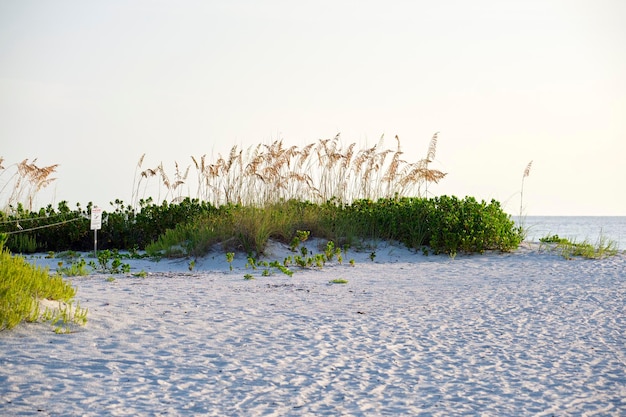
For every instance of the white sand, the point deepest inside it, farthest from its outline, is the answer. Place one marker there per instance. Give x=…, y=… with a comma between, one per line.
x=528, y=333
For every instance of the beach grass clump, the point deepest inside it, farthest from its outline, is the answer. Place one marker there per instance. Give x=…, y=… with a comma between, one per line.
x=569, y=249
x=242, y=228
x=23, y=285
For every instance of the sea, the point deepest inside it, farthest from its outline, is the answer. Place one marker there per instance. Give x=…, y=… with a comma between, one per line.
x=576, y=228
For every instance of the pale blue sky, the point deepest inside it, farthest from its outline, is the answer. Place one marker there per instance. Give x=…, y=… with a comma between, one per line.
x=92, y=85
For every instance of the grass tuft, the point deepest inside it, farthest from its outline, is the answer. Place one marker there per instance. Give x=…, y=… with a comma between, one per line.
x=603, y=248
x=23, y=287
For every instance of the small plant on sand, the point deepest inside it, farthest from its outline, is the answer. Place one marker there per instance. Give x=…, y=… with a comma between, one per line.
x=251, y=263
x=330, y=251
x=230, y=256
x=300, y=237
x=75, y=269
x=191, y=265
x=338, y=281
x=110, y=262
x=282, y=268
x=270, y=268
x=140, y=274
x=339, y=257
x=300, y=261
x=248, y=277
x=553, y=239
x=66, y=316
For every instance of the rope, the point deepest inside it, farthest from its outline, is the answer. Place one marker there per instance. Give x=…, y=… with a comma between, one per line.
x=26, y=219
x=42, y=227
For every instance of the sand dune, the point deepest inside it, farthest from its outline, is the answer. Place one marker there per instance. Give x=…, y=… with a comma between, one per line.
x=527, y=333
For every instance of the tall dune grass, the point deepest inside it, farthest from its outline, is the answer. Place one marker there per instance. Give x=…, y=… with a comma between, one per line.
x=20, y=183
x=318, y=172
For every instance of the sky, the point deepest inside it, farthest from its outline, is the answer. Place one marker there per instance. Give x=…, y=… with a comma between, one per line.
x=94, y=85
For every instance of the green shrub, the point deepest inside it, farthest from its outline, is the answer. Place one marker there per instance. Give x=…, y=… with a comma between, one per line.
x=48, y=229
x=22, y=286
x=470, y=226
x=126, y=227
x=123, y=227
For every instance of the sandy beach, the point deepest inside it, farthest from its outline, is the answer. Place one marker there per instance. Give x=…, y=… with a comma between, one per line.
x=525, y=333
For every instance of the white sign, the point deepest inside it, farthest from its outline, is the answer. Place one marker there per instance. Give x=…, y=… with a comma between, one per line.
x=96, y=218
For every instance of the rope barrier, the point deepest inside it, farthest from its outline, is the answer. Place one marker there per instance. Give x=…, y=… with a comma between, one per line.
x=41, y=227
x=26, y=219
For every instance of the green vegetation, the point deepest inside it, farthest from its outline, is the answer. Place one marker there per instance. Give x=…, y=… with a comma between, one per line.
x=269, y=268
x=72, y=264
x=603, y=247
x=123, y=227
x=22, y=286
x=338, y=281
x=230, y=257
x=302, y=259
x=110, y=262
x=445, y=224
x=325, y=190
x=553, y=239
x=77, y=268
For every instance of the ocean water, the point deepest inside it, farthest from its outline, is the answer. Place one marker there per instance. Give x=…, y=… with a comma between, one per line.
x=578, y=228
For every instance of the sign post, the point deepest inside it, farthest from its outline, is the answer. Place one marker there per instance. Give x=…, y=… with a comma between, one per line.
x=96, y=224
